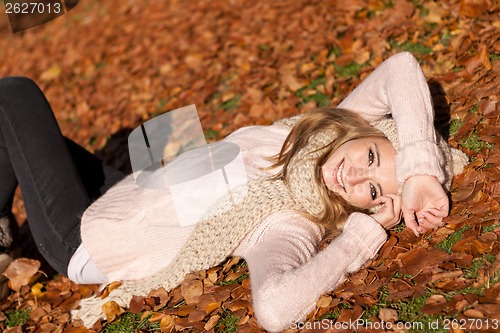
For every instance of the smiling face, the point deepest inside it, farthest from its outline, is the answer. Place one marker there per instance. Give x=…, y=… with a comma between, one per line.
x=361, y=170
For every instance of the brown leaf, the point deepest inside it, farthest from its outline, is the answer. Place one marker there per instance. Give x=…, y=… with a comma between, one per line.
x=111, y=309
x=474, y=8
x=157, y=317
x=167, y=323
x=192, y=291
x=79, y=329
x=447, y=275
x=196, y=315
x=136, y=304
x=109, y=288
x=436, y=12
x=15, y=329
x=20, y=272
x=161, y=297
x=51, y=73
x=212, y=322
x=388, y=315
x=291, y=82
x=473, y=313
x=324, y=301
x=414, y=261
x=481, y=59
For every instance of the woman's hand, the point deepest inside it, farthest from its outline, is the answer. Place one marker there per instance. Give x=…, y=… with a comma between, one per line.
x=425, y=197
x=390, y=213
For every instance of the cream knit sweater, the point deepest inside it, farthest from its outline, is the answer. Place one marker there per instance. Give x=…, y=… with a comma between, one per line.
x=130, y=233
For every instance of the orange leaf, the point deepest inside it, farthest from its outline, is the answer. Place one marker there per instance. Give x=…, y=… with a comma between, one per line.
x=473, y=8
x=212, y=322
x=212, y=306
x=192, y=291
x=20, y=272
x=167, y=323
x=111, y=309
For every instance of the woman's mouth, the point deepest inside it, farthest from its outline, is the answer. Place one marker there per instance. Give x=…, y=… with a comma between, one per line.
x=337, y=175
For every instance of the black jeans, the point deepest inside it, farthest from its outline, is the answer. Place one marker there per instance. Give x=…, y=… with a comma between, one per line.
x=58, y=178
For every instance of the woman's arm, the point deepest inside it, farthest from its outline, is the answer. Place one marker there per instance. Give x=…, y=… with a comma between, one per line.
x=287, y=272
x=398, y=87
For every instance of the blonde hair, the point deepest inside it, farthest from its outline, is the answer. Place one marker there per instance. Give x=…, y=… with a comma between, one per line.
x=348, y=126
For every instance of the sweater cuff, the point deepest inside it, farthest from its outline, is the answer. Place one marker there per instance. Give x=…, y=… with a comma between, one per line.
x=419, y=158
x=366, y=232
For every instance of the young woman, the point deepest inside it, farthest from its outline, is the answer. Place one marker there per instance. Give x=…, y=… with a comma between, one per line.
x=333, y=175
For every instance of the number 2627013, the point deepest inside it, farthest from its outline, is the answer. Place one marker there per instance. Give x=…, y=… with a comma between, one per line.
x=33, y=8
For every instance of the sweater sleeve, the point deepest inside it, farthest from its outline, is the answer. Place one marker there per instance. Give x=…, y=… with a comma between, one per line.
x=287, y=272
x=398, y=87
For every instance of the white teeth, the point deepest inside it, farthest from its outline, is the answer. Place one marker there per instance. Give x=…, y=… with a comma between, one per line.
x=339, y=173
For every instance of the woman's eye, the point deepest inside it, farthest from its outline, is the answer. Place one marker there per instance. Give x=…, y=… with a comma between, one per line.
x=373, y=192
x=371, y=157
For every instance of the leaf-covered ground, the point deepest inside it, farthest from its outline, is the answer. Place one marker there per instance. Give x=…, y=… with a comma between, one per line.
x=107, y=66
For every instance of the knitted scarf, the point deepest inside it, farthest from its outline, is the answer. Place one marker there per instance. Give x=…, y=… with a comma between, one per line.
x=235, y=215
x=225, y=225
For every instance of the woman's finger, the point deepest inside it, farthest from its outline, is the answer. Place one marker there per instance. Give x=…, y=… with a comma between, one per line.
x=398, y=203
x=411, y=223
x=423, y=222
x=438, y=212
x=389, y=204
x=381, y=200
x=436, y=221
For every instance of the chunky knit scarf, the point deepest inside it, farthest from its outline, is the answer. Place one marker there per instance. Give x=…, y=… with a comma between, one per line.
x=231, y=219
x=225, y=225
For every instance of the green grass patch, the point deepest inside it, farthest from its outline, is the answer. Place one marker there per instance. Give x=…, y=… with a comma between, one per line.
x=445, y=37
x=474, y=109
x=494, y=57
x=227, y=322
x=473, y=143
x=399, y=227
x=238, y=280
x=455, y=125
x=415, y=47
x=317, y=82
x=398, y=275
x=382, y=303
x=100, y=65
x=334, y=50
x=130, y=323
x=478, y=263
x=17, y=317
x=489, y=228
x=409, y=311
x=332, y=315
x=320, y=98
x=448, y=243
x=161, y=104
x=350, y=70
x=472, y=272
x=231, y=103
x=212, y=134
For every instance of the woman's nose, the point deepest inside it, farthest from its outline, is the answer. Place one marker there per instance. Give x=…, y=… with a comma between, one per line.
x=355, y=175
